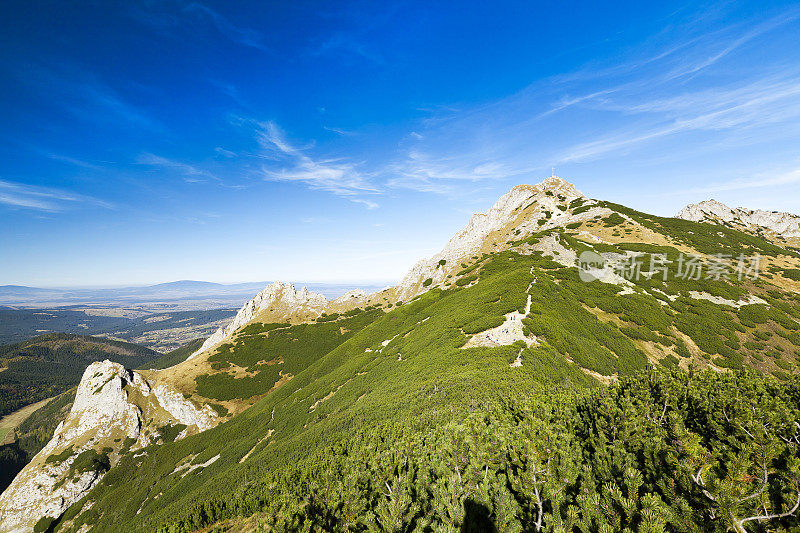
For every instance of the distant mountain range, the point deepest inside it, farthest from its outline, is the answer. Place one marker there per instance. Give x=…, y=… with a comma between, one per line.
x=11, y=294
x=229, y=294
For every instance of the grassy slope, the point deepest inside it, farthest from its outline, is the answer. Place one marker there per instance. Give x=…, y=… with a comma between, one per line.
x=32, y=435
x=175, y=356
x=368, y=387
x=421, y=377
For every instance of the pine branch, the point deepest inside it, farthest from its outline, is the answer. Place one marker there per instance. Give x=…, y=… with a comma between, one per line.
x=698, y=479
x=767, y=516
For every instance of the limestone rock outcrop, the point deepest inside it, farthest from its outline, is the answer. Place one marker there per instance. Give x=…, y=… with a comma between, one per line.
x=524, y=210
x=282, y=301
x=182, y=410
x=786, y=225
x=113, y=407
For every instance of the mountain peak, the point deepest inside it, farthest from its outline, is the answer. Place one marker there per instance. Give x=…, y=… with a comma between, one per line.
x=522, y=211
x=707, y=210
x=281, y=301
x=550, y=183
x=712, y=203
x=554, y=181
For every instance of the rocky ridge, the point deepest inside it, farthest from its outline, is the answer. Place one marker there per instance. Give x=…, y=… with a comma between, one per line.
x=116, y=411
x=524, y=210
x=785, y=225
x=281, y=301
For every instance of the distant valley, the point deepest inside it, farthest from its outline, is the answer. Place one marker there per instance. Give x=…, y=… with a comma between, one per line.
x=161, y=317
x=158, y=331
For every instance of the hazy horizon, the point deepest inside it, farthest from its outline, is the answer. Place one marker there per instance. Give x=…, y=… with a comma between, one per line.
x=152, y=284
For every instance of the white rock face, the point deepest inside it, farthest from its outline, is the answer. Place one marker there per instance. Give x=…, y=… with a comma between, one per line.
x=354, y=296
x=283, y=296
x=183, y=410
x=751, y=299
x=111, y=404
x=547, y=197
x=783, y=224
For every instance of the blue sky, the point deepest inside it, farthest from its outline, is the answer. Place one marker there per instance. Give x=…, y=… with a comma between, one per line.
x=153, y=141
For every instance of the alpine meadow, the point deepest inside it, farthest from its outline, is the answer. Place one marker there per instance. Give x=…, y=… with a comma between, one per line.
x=564, y=362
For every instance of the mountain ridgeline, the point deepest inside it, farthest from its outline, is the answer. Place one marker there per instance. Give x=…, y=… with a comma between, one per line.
x=501, y=386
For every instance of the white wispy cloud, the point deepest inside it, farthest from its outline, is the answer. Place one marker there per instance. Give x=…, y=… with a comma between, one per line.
x=368, y=203
x=84, y=95
x=686, y=81
x=224, y=153
x=167, y=16
x=191, y=173
x=48, y=199
x=340, y=131
x=737, y=108
x=69, y=160
x=238, y=34
x=113, y=105
x=423, y=172
x=291, y=163
x=275, y=159
x=753, y=182
x=729, y=46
